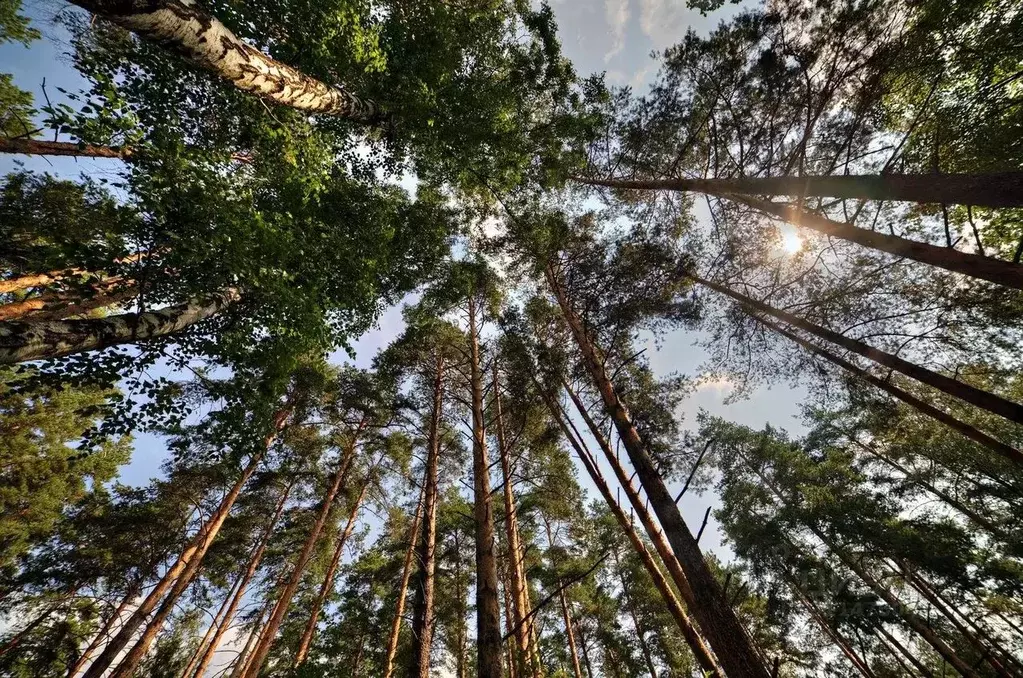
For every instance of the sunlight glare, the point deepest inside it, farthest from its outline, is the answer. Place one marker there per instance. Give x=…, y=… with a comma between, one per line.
x=791, y=242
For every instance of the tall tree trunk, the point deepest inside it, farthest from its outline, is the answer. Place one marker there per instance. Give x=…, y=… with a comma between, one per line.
x=178, y=576
x=987, y=650
x=250, y=572
x=896, y=647
x=920, y=626
x=630, y=607
x=30, y=280
x=284, y=602
x=108, y=623
x=972, y=515
x=406, y=575
x=461, y=663
x=512, y=655
x=719, y=623
x=520, y=595
x=48, y=308
x=215, y=623
x=997, y=189
x=585, y=647
x=244, y=658
x=488, y=609
x=328, y=580
x=573, y=649
x=989, y=401
x=61, y=148
x=21, y=341
x=422, y=607
x=836, y=637
x=971, y=432
x=671, y=601
x=181, y=27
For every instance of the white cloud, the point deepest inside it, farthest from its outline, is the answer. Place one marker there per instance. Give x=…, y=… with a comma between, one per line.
x=664, y=21
x=616, y=12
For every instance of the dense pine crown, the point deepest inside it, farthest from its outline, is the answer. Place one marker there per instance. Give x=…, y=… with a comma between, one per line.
x=824, y=199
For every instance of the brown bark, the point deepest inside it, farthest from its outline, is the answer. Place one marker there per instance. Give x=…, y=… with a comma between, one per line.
x=215, y=623
x=573, y=650
x=519, y=593
x=717, y=620
x=250, y=572
x=461, y=664
x=976, y=518
x=284, y=601
x=899, y=649
x=971, y=432
x=62, y=148
x=836, y=637
x=21, y=341
x=921, y=627
x=177, y=578
x=104, y=629
x=182, y=28
x=488, y=609
x=671, y=601
x=49, y=307
x=328, y=580
x=422, y=607
x=987, y=651
x=989, y=401
x=997, y=189
x=406, y=574
x=513, y=658
x=585, y=647
x=630, y=607
x=27, y=281
x=241, y=662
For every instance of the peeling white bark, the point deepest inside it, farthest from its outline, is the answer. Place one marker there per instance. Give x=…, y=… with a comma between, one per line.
x=26, y=340
x=182, y=27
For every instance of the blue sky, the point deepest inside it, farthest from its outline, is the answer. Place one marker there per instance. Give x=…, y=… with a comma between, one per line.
x=615, y=36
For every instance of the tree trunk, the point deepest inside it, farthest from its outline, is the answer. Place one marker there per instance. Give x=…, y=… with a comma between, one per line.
x=406, y=575
x=241, y=662
x=22, y=341
x=273, y=624
x=910, y=618
x=512, y=655
x=836, y=637
x=958, y=389
x=488, y=609
x=108, y=623
x=573, y=650
x=717, y=620
x=998, y=189
x=987, y=650
x=180, y=26
x=971, y=432
x=215, y=623
x=973, y=516
x=899, y=649
x=630, y=606
x=250, y=572
x=671, y=601
x=422, y=607
x=519, y=594
x=461, y=664
x=30, y=280
x=47, y=308
x=177, y=577
x=62, y=148
x=584, y=646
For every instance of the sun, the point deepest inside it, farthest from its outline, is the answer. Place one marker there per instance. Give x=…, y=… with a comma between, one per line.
x=791, y=242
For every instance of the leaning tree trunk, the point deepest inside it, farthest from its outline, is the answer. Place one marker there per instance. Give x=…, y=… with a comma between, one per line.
x=406, y=575
x=180, y=26
x=236, y=600
x=566, y=615
x=277, y=617
x=843, y=645
x=630, y=606
x=422, y=606
x=1009, y=274
x=108, y=624
x=241, y=662
x=997, y=189
x=62, y=148
x=488, y=608
x=177, y=577
x=211, y=630
x=988, y=401
x=718, y=621
x=971, y=432
x=328, y=580
x=671, y=601
x=901, y=652
x=22, y=341
x=47, y=307
x=519, y=593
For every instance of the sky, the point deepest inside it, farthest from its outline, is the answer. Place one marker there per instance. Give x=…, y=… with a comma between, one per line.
x=613, y=36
